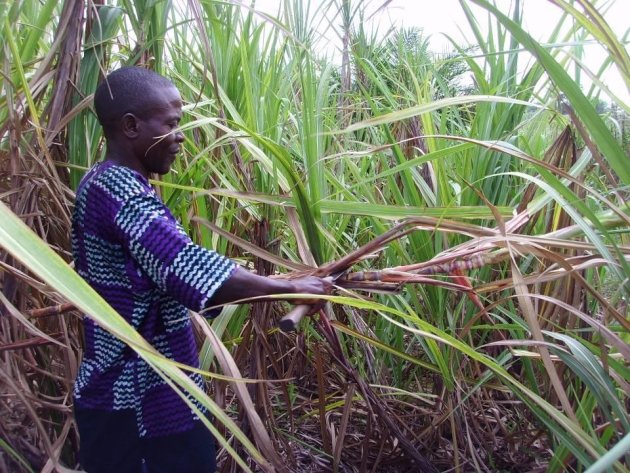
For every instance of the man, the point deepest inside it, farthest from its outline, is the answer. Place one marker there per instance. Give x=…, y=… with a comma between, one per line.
x=130, y=249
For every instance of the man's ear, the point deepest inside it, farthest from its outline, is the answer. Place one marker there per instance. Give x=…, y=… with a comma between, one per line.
x=130, y=125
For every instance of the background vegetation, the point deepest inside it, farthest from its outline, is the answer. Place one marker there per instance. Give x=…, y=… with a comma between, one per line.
x=512, y=181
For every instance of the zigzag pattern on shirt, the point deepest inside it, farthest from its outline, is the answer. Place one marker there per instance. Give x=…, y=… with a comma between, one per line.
x=137, y=214
x=109, y=347
x=162, y=344
x=125, y=395
x=153, y=267
x=198, y=270
x=164, y=249
x=182, y=230
x=173, y=317
x=148, y=378
x=141, y=304
x=121, y=183
x=124, y=241
x=219, y=280
x=79, y=206
x=105, y=262
x=83, y=378
x=96, y=170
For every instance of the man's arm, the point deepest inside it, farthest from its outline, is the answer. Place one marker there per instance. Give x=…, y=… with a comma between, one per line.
x=243, y=285
x=195, y=276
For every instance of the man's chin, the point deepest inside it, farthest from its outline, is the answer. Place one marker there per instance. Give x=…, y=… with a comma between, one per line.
x=162, y=171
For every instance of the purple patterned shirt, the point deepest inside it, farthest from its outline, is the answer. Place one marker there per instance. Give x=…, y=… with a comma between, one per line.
x=128, y=246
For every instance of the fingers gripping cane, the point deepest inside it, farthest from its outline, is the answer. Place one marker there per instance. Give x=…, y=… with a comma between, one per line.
x=290, y=321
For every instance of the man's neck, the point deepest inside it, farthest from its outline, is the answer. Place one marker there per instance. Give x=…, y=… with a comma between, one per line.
x=121, y=155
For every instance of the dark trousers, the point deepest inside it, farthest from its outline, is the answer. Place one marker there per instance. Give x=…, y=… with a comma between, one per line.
x=110, y=443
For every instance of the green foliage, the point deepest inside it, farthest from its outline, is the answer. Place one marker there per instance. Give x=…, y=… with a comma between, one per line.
x=289, y=152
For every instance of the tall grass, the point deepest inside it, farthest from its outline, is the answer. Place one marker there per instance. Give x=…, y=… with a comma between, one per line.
x=293, y=159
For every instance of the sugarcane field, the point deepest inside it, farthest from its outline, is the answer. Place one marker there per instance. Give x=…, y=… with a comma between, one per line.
x=310, y=236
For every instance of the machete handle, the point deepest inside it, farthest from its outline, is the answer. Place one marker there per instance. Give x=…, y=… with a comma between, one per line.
x=289, y=322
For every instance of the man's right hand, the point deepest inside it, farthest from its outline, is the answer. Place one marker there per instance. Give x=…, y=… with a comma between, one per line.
x=311, y=285
x=243, y=285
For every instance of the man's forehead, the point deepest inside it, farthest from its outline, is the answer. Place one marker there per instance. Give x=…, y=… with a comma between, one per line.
x=164, y=98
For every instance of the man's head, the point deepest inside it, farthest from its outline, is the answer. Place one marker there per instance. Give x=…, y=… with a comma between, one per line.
x=138, y=110
x=126, y=90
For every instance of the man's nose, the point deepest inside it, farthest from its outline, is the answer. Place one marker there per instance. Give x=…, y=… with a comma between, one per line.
x=179, y=137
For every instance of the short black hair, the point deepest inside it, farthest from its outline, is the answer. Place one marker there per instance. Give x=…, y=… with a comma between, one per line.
x=126, y=90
